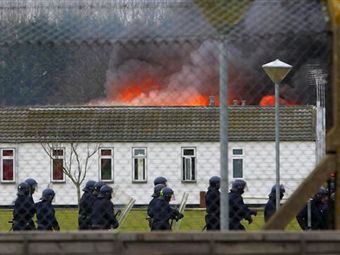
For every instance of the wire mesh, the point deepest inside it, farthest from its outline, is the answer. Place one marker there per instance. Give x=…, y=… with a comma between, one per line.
x=125, y=91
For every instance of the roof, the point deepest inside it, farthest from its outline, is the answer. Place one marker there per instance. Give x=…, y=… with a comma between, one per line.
x=153, y=124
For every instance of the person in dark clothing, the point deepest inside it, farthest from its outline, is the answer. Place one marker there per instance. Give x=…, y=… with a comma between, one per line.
x=160, y=180
x=212, y=201
x=46, y=213
x=85, y=206
x=33, y=187
x=161, y=213
x=238, y=210
x=270, y=207
x=24, y=209
x=103, y=216
x=155, y=195
x=331, y=202
x=319, y=211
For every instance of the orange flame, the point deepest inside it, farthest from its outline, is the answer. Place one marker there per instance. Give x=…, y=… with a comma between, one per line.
x=198, y=100
x=136, y=89
x=269, y=100
x=145, y=90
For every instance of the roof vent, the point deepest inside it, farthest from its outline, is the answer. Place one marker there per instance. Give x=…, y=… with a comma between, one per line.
x=211, y=101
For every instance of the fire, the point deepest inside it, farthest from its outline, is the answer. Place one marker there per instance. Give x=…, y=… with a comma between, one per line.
x=131, y=91
x=198, y=100
x=147, y=91
x=269, y=100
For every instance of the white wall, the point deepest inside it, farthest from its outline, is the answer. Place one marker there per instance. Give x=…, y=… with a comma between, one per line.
x=297, y=159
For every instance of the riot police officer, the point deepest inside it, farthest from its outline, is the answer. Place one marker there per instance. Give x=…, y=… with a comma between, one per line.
x=24, y=209
x=212, y=201
x=85, y=206
x=33, y=187
x=160, y=180
x=270, y=207
x=103, y=216
x=238, y=210
x=46, y=213
x=161, y=213
x=155, y=195
x=319, y=212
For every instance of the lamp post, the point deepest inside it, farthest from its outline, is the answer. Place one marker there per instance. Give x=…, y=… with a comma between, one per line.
x=277, y=71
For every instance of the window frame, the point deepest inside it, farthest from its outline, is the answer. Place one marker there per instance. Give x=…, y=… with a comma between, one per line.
x=237, y=157
x=100, y=157
x=2, y=165
x=145, y=157
x=57, y=157
x=191, y=157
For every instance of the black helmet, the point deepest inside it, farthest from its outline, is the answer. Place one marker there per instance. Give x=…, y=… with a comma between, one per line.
x=282, y=189
x=238, y=185
x=167, y=193
x=320, y=194
x=48, y=194
x=97, y=186
x=32, y=184
x=160, y=180
x=273, y=191
x=89, y=186
x=157, y=190
x=215, y=182
x=105, y=191
x=23, y=189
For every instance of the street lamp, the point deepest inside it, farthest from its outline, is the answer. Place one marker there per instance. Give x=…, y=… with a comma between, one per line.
x=277, y=71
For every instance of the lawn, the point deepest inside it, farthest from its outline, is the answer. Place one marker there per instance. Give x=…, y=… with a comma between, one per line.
x=136, y=221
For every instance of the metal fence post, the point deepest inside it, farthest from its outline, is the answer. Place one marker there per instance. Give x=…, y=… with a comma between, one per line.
x=224, y=213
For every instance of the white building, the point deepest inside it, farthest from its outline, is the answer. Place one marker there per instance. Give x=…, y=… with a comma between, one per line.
x=137, y=144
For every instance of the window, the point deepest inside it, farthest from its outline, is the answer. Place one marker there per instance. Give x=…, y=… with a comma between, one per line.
x=237, y=159
x=58, y=165
x=188, y=164
x=139, y=164
x=106, y=164
x=7, y=165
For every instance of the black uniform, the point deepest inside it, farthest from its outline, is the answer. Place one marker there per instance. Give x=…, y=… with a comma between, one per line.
x=102, y=216
x=161, y=213
x=156, y=193
x=212, y=201
x=270, y=208
x=151, y=205
x=238, y=211
x=23, y=212
x=318, y=216
x=85, y=210
x=46, y=216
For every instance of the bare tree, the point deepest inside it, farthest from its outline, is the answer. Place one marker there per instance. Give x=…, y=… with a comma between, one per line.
x=76, y=165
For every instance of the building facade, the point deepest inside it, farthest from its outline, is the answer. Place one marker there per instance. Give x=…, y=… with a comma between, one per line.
x=128, y=147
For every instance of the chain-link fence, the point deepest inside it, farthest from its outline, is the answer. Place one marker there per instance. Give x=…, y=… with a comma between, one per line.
x=125, y=91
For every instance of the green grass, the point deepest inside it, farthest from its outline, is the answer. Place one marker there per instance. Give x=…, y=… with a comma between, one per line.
x=136, y=221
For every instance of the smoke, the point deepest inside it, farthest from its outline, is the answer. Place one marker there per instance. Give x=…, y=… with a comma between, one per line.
x=156, y=52
x=175, y=72
x=293, y=31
